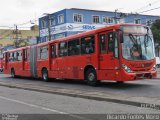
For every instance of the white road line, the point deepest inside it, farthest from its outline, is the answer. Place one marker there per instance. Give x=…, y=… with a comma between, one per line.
x=32, y=105
x=43, y=108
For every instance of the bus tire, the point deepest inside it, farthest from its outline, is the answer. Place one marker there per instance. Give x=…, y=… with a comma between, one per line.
x=45, y=75
x=13, y=73
x=91, y=77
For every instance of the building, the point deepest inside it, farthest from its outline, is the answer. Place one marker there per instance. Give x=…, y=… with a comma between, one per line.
x=9, y=37
x=72, y=21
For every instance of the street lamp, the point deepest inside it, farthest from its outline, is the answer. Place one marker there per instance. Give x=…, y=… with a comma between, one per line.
x=49, y=25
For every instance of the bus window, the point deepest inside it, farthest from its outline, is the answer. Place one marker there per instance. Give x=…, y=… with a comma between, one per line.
x=87, y=45
x=25, y=55
x=38, y=50
x=116, y=52
x=53, y=52
x=19, y=55
x=12, y=56
x=103, y=43
x=28, y=54
x=6, y=57
x=63, y=49
x=43, y=52
x=15, y=56
x=110, y=42
x=9, y=57
x=73, y=47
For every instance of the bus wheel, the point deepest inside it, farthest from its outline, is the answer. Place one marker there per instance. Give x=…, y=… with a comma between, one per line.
x=45, y=75
x=91, y=77
x=13, y=73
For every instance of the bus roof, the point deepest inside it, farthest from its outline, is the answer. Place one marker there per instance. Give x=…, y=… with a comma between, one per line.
x=117, y=26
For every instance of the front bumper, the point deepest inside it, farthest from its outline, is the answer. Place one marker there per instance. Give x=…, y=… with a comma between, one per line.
x=139, y=75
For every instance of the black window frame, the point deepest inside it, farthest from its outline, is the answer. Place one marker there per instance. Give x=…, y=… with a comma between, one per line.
x=110, y=42
x=19, y=55
x=96, y=19
x=77, y=18
x=74, y=47
x=85, y=45
x=63, y=50
x=40, y=49
x=25, y=55
x=53, y=50
x=103, y=44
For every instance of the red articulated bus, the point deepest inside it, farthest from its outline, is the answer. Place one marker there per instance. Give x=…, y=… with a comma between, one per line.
x=122, y=52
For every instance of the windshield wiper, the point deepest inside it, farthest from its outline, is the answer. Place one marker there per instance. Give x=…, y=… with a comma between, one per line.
x=135, y=44
x=134, y=41
x=146, y=39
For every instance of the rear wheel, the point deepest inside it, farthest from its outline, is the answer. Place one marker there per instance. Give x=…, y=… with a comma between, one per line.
x=13, y=73
x=91, y=77
x=45, y=75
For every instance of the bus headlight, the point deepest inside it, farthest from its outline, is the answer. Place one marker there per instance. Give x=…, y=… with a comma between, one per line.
x=126, y=68
x=154, y=68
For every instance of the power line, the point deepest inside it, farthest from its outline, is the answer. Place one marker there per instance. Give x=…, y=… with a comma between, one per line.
x=28, y=22
x=148, y=5
x=150, y=10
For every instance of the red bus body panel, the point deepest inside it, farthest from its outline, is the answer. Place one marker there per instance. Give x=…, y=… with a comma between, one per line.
x=73, y=67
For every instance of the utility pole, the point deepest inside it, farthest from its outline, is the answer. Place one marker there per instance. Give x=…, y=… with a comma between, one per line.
x=16, y=33
x=115, y=16
x=49, y=29
x=49, y=20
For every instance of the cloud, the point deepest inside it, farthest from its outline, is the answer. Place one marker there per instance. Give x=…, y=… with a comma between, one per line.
x=25, y=3
x=20, y=11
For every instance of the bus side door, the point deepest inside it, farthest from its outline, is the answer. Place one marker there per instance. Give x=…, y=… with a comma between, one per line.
x=6, y=60
x=53, y=62
x=61, y=60
x=26, y=61
x=107, y=60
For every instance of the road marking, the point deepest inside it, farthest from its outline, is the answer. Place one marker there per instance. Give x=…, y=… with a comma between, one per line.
x=32, y=105
x=43, y=108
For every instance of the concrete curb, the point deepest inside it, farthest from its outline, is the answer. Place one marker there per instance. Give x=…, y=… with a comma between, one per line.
x=84, y=95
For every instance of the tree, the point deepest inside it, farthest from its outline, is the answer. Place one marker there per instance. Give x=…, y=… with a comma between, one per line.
x=156, y=31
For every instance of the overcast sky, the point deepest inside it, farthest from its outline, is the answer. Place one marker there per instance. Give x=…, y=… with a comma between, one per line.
x=22, y=11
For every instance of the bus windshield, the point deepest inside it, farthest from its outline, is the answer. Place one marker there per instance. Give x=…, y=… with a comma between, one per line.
x=138, y=44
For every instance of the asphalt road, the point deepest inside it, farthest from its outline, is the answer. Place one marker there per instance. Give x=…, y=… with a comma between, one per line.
x=18, y=101
x=42, y=106
x=145, y=88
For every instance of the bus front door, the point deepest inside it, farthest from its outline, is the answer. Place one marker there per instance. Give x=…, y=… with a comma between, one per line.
x=54, y=62
x=107, y=61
